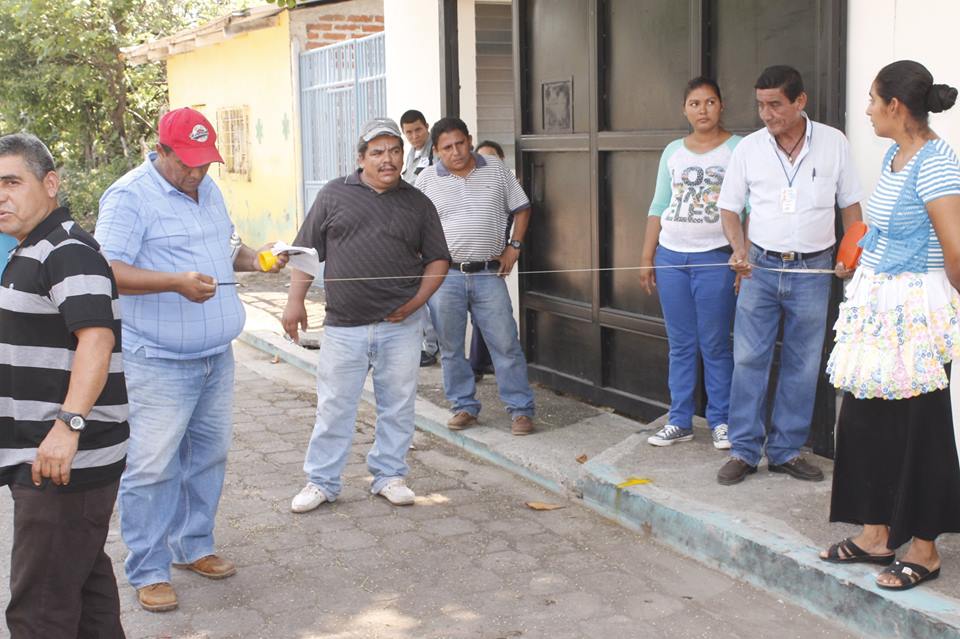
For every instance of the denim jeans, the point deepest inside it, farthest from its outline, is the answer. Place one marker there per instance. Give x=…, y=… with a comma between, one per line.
x=698, y=306
x=766, y=297
x=347, y=354
x=485, y=296
x=181, y=421
x=430, y=344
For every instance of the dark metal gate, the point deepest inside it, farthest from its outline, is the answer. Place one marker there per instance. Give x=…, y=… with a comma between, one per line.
x=599, y=92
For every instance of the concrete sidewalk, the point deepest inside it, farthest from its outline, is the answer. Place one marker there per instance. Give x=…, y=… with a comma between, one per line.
x=766, y=531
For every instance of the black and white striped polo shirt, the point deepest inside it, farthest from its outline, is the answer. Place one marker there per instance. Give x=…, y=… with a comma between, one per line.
x=474, y=209
x=57, y=282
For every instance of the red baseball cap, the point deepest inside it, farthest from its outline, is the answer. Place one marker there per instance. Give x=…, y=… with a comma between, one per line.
x=190, y=135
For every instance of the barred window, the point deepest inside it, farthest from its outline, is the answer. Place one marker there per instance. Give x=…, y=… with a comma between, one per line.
x=234, y=141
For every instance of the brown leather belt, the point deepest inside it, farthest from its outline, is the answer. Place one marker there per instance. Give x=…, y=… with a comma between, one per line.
x=793, y=256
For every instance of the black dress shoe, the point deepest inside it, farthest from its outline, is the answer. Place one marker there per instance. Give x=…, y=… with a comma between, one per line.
x=734, y=471
x=799, y=468
x=426, y=359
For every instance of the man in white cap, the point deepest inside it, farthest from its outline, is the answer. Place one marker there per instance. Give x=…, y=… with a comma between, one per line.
x=385, y=255
x=165, y=229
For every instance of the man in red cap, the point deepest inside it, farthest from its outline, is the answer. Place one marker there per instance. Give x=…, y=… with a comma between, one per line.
x=165, y=229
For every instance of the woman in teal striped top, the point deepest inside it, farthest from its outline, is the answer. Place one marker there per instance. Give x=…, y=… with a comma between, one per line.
x=896, y=471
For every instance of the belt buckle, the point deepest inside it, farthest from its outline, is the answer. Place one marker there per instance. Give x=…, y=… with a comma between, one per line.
x=788, y=256
x=463, y=264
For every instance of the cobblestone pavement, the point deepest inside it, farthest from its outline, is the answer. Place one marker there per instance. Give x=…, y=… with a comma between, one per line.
x=469, y=560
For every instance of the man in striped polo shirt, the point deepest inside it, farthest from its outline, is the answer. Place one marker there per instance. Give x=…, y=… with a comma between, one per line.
x=385, y=256
x=475, y=195
x=63, y=406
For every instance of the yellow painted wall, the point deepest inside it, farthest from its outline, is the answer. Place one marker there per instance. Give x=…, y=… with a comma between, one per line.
x=252, y=70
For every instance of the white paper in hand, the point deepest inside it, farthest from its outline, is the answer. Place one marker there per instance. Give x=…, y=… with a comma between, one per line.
x=302, y=258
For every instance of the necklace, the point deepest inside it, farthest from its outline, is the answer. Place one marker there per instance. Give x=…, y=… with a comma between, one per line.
x=799, y=140
x=790, y=152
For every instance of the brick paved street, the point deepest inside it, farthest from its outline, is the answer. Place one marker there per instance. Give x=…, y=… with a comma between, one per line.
x=468, y=560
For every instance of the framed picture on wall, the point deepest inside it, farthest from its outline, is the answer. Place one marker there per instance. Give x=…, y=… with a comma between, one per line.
x=558, y=106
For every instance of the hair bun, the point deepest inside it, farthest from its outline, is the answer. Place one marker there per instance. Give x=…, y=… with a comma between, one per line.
x=940, y=97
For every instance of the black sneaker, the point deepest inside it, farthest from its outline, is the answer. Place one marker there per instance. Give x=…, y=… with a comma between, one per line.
x=734, y=472
x=799, y=468
x=426, y=359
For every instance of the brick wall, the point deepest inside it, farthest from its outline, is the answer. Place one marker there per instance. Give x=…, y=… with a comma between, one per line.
x=337, y=27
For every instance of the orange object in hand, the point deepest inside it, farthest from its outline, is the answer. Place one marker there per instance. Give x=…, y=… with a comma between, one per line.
x=849, y=251
x=267, y=260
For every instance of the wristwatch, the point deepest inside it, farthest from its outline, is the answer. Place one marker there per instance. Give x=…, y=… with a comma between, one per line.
x=75, y=421
x=517, y=244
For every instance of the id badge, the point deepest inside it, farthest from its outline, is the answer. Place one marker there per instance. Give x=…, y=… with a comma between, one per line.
x=788, y=199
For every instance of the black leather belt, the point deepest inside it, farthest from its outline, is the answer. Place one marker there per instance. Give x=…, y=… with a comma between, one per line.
x=475, y=267
x=793, y=256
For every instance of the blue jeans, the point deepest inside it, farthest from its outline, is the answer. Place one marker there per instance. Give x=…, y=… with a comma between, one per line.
x=485, y=296
x=698, y=306
x=181, y=421
x=801, y=301
x=348, y=353
x=430, y=345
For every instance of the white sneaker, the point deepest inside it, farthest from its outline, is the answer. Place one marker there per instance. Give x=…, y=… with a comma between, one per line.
x=720, y=440
x=396, y=492
x=307, y=499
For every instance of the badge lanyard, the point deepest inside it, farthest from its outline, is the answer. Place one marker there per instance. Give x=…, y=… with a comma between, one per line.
x=788, y=195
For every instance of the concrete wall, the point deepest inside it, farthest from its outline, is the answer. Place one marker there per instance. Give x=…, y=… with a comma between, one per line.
x=252, y=70
x=413, y=58
x=883, y=31
x=467, y=25
x=412, y=43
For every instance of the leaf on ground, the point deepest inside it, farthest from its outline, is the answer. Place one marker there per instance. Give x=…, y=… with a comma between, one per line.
x=582, y=459
x=634, y=481
x=540, y=505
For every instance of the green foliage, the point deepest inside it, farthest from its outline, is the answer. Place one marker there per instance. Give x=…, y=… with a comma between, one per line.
x=64, y=79
x=81, y=188
x=288, y=4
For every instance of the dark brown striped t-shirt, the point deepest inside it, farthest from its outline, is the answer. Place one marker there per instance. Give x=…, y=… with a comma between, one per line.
x=360, y=233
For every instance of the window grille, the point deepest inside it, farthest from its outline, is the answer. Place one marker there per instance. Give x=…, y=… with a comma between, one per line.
x=233, y=141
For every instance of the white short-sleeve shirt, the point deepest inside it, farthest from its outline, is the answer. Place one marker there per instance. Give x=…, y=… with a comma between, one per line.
x=823, y=176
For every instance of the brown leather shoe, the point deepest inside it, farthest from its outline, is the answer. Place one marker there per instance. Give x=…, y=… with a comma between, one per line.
x=157, y=597
x=211, y=567
x=734, y=472
x=461, y=420
x=799, y=468
x=522, y=425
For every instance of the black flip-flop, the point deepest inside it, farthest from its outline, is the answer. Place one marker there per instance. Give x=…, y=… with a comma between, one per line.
x=909, y=575
x=853, y=554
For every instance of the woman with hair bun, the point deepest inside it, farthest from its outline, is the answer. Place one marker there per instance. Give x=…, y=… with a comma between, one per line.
x=896, y=470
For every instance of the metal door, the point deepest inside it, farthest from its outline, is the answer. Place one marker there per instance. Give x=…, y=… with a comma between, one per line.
x=341, y=87
x=599, y=86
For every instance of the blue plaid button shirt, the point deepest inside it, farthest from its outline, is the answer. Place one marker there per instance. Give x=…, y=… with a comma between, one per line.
x=147, y=223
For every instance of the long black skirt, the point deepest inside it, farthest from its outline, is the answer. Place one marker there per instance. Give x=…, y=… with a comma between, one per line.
x=896, y=465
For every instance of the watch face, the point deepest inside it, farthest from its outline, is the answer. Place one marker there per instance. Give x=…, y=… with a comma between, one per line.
x=77, y=422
